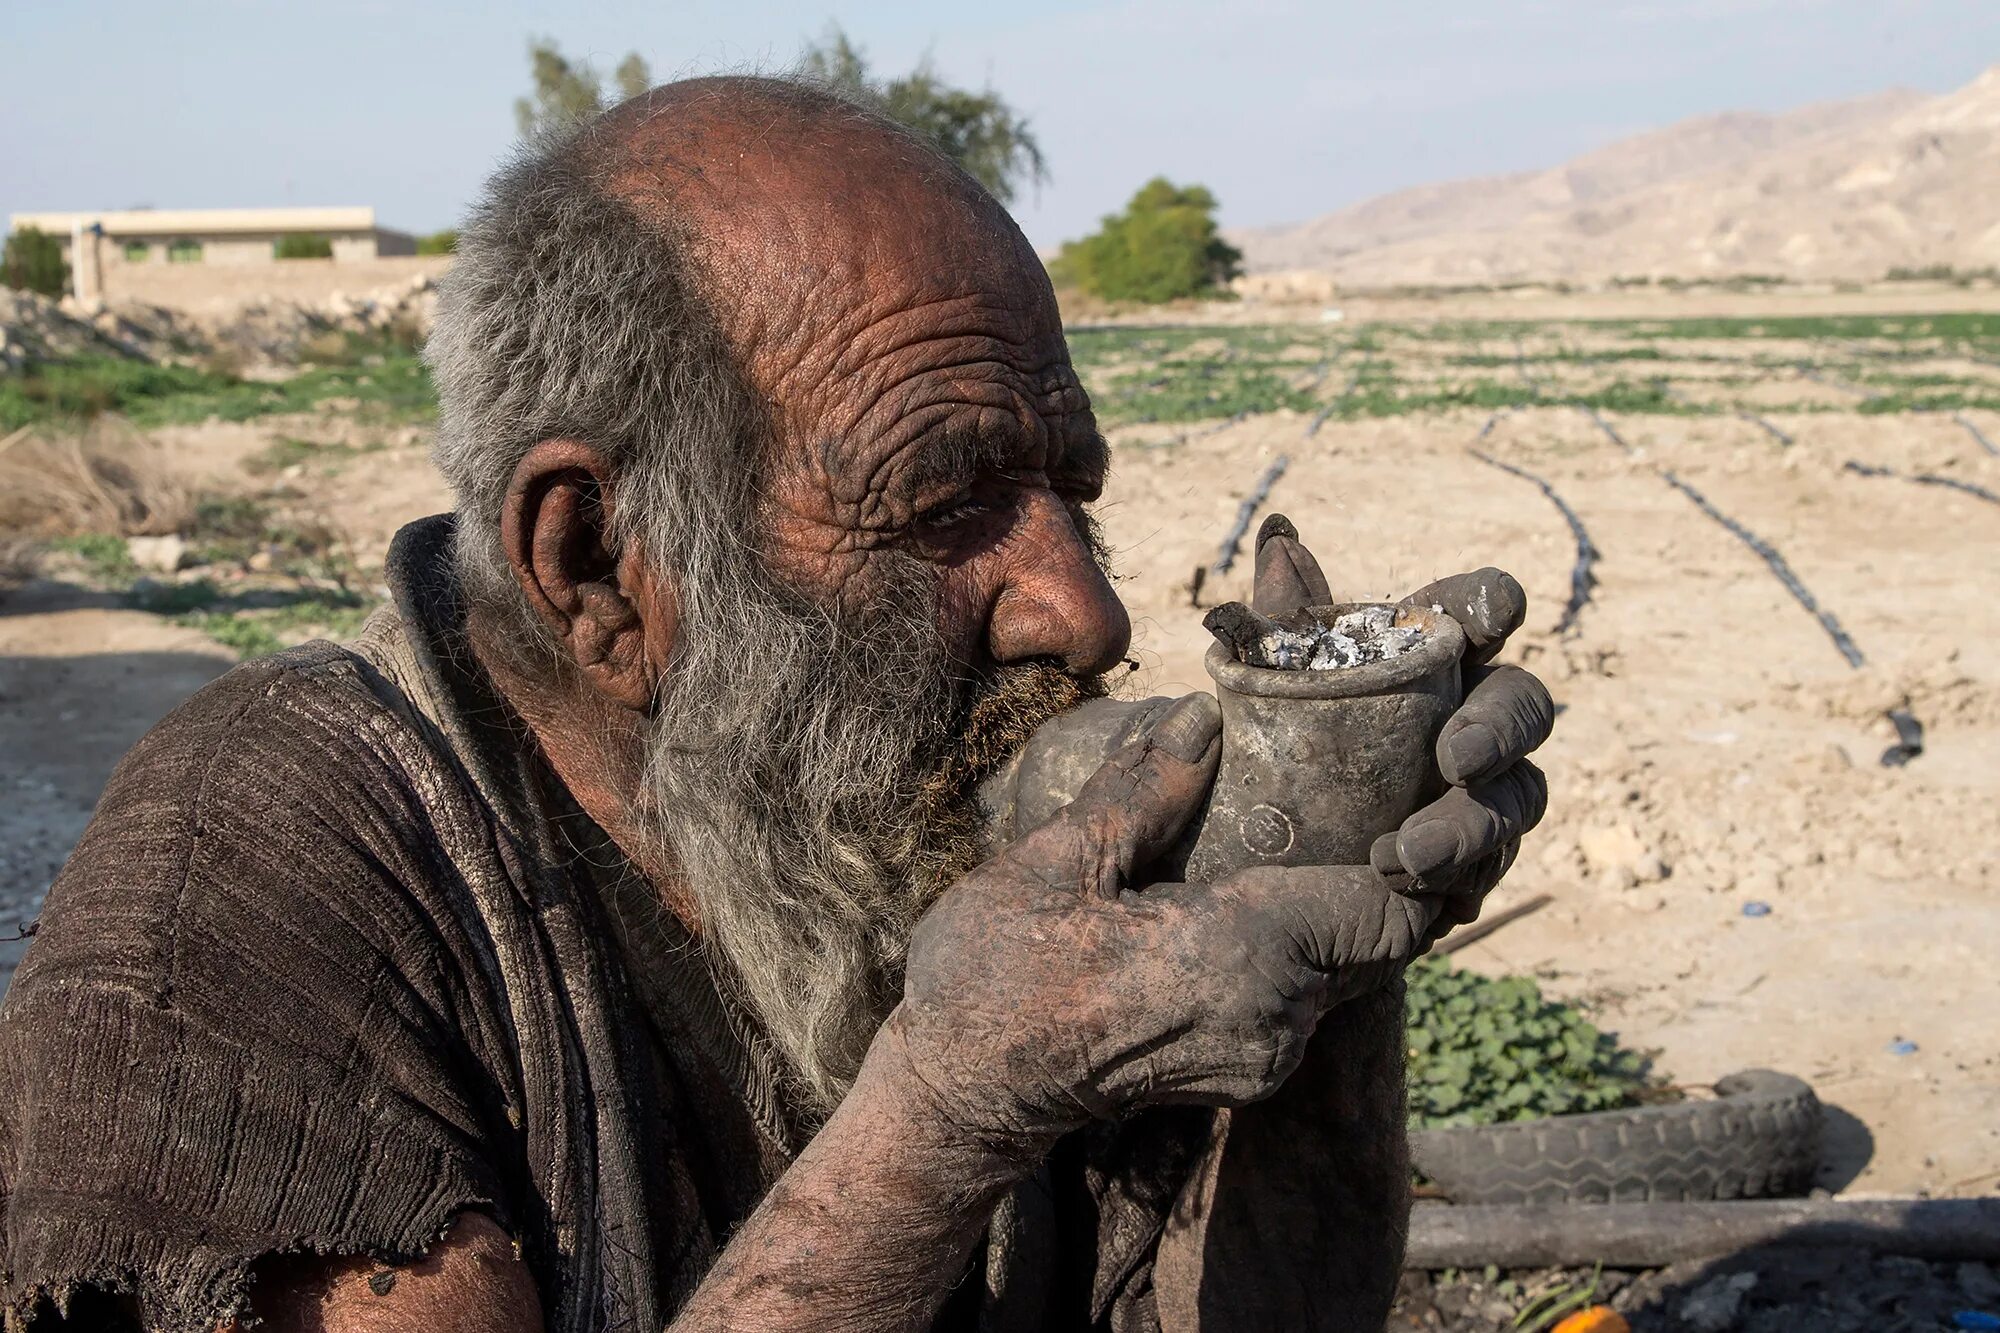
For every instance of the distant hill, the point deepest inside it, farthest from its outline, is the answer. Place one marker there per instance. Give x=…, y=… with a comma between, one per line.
x=1836, y=190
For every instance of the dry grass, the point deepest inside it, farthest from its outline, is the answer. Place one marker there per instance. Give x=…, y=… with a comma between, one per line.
x=109, y=479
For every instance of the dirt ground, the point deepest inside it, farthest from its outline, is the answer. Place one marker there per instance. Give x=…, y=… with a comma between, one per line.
x=1714, y=750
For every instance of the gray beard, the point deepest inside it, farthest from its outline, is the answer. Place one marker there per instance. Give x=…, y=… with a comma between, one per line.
x=811, y=777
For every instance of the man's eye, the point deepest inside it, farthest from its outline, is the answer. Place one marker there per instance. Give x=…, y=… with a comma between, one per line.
x=955, y=512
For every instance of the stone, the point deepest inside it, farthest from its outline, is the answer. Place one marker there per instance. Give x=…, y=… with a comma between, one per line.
x=1715, y=1306
x=1617, y=878
x=1607, y=845
x=162, y=555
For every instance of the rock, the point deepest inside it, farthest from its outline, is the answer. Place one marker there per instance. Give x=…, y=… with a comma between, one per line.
x=163, y=555
x=1617, y=878
x=1618, y=845
x=1650, y=868
x=1714, y=1307
x=260, y=562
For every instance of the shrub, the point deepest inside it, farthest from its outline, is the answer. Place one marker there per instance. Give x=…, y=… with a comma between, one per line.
x=1490, y=1049
x=439, y=242
x=1163, y=247
x=33, y=262
x=302, y=245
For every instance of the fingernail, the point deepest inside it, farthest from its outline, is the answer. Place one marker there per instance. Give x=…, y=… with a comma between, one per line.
x=1474, y=750
x=1429, y=847
x=1274, y=525
x=1387, y=864
x=1189, y=728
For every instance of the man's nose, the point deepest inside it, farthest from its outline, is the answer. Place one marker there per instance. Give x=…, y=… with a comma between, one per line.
x=1056, y=601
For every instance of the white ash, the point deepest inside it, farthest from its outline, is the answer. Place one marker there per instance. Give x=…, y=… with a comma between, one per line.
x=1355, y=639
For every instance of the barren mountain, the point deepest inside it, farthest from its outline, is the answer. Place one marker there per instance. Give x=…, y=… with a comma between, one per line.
x=1837, y=190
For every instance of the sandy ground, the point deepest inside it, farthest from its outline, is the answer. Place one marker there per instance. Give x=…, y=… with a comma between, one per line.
x=1714, y=750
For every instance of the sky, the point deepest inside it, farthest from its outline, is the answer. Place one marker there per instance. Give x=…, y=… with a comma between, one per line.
x=1286, y=109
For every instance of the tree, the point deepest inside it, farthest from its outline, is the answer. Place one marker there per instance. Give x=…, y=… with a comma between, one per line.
x=33, y=261
x=1163, y=247
x=439, y=242
x=302, y=245
x=567, y=91
x=979, y=131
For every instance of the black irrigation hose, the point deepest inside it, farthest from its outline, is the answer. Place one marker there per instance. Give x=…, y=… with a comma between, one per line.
x=1740, y=414
x=1582, y=575
x=1319, y=419
x=1909, y=731
x=1976, y=434
x=1233, y=540
x=1925, y=479
x=1756, y=420
x=1202, y=434
x=1779, y=566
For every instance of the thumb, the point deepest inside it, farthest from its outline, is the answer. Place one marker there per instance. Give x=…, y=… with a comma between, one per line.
x=1134, y=807
x=1288, y=577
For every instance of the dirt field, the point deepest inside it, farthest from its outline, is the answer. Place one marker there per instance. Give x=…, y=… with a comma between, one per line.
x=1715, y=751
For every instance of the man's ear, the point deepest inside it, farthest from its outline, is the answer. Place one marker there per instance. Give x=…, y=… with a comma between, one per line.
x=615, y=618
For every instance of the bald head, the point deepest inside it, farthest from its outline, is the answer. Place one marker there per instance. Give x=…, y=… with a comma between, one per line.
x=806, y=219
x=773, y=482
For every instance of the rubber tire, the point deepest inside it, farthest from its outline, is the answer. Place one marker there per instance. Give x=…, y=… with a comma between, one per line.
x=1759, y=1139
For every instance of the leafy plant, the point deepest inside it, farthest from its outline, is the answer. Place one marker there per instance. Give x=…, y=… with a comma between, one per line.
x=979, y=131
x=257, y=631
x=32, y=261
x=388, y=383
x=1483, y=1050
x=302, y=245
x=567, y=90
x=106, y=556
x=1165, y=246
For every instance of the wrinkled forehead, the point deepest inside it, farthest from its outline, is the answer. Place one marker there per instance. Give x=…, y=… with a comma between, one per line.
x=868, y=288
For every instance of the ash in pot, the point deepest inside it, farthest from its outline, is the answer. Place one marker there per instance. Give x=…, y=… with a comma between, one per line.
x=1301, y=642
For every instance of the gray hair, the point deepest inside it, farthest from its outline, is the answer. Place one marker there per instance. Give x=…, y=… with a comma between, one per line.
x=567, y=315
x=809, y=772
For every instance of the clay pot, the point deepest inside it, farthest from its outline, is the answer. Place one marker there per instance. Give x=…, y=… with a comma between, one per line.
x=1315, y=764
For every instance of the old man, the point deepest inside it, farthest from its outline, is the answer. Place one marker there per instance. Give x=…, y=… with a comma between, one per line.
x=608, y=938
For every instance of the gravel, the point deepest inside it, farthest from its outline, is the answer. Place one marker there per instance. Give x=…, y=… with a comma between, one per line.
x=1826, y=1290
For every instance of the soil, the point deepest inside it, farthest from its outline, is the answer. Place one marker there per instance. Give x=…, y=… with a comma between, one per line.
x=1826, y=1290
x=1686, y=780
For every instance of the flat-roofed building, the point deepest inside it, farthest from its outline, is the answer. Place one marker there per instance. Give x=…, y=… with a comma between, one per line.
x=95, y=243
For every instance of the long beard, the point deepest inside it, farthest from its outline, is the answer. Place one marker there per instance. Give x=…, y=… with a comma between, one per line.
x=812, y=777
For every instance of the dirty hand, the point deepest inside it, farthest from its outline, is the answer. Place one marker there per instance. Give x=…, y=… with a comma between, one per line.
x=1049, y=988
x=1460, y=845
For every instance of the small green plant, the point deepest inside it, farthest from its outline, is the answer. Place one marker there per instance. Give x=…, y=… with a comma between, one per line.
x=302, y=245
x=1484, y=1050
x=1551, y=1307
x=257, y=631
x=384, y=376
x=287, y=450
x=32, y=261
x=439, y=242
x=107, y=557
x=1165, y=246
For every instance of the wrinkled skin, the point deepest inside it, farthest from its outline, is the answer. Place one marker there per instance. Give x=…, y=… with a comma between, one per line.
x=909, y=345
